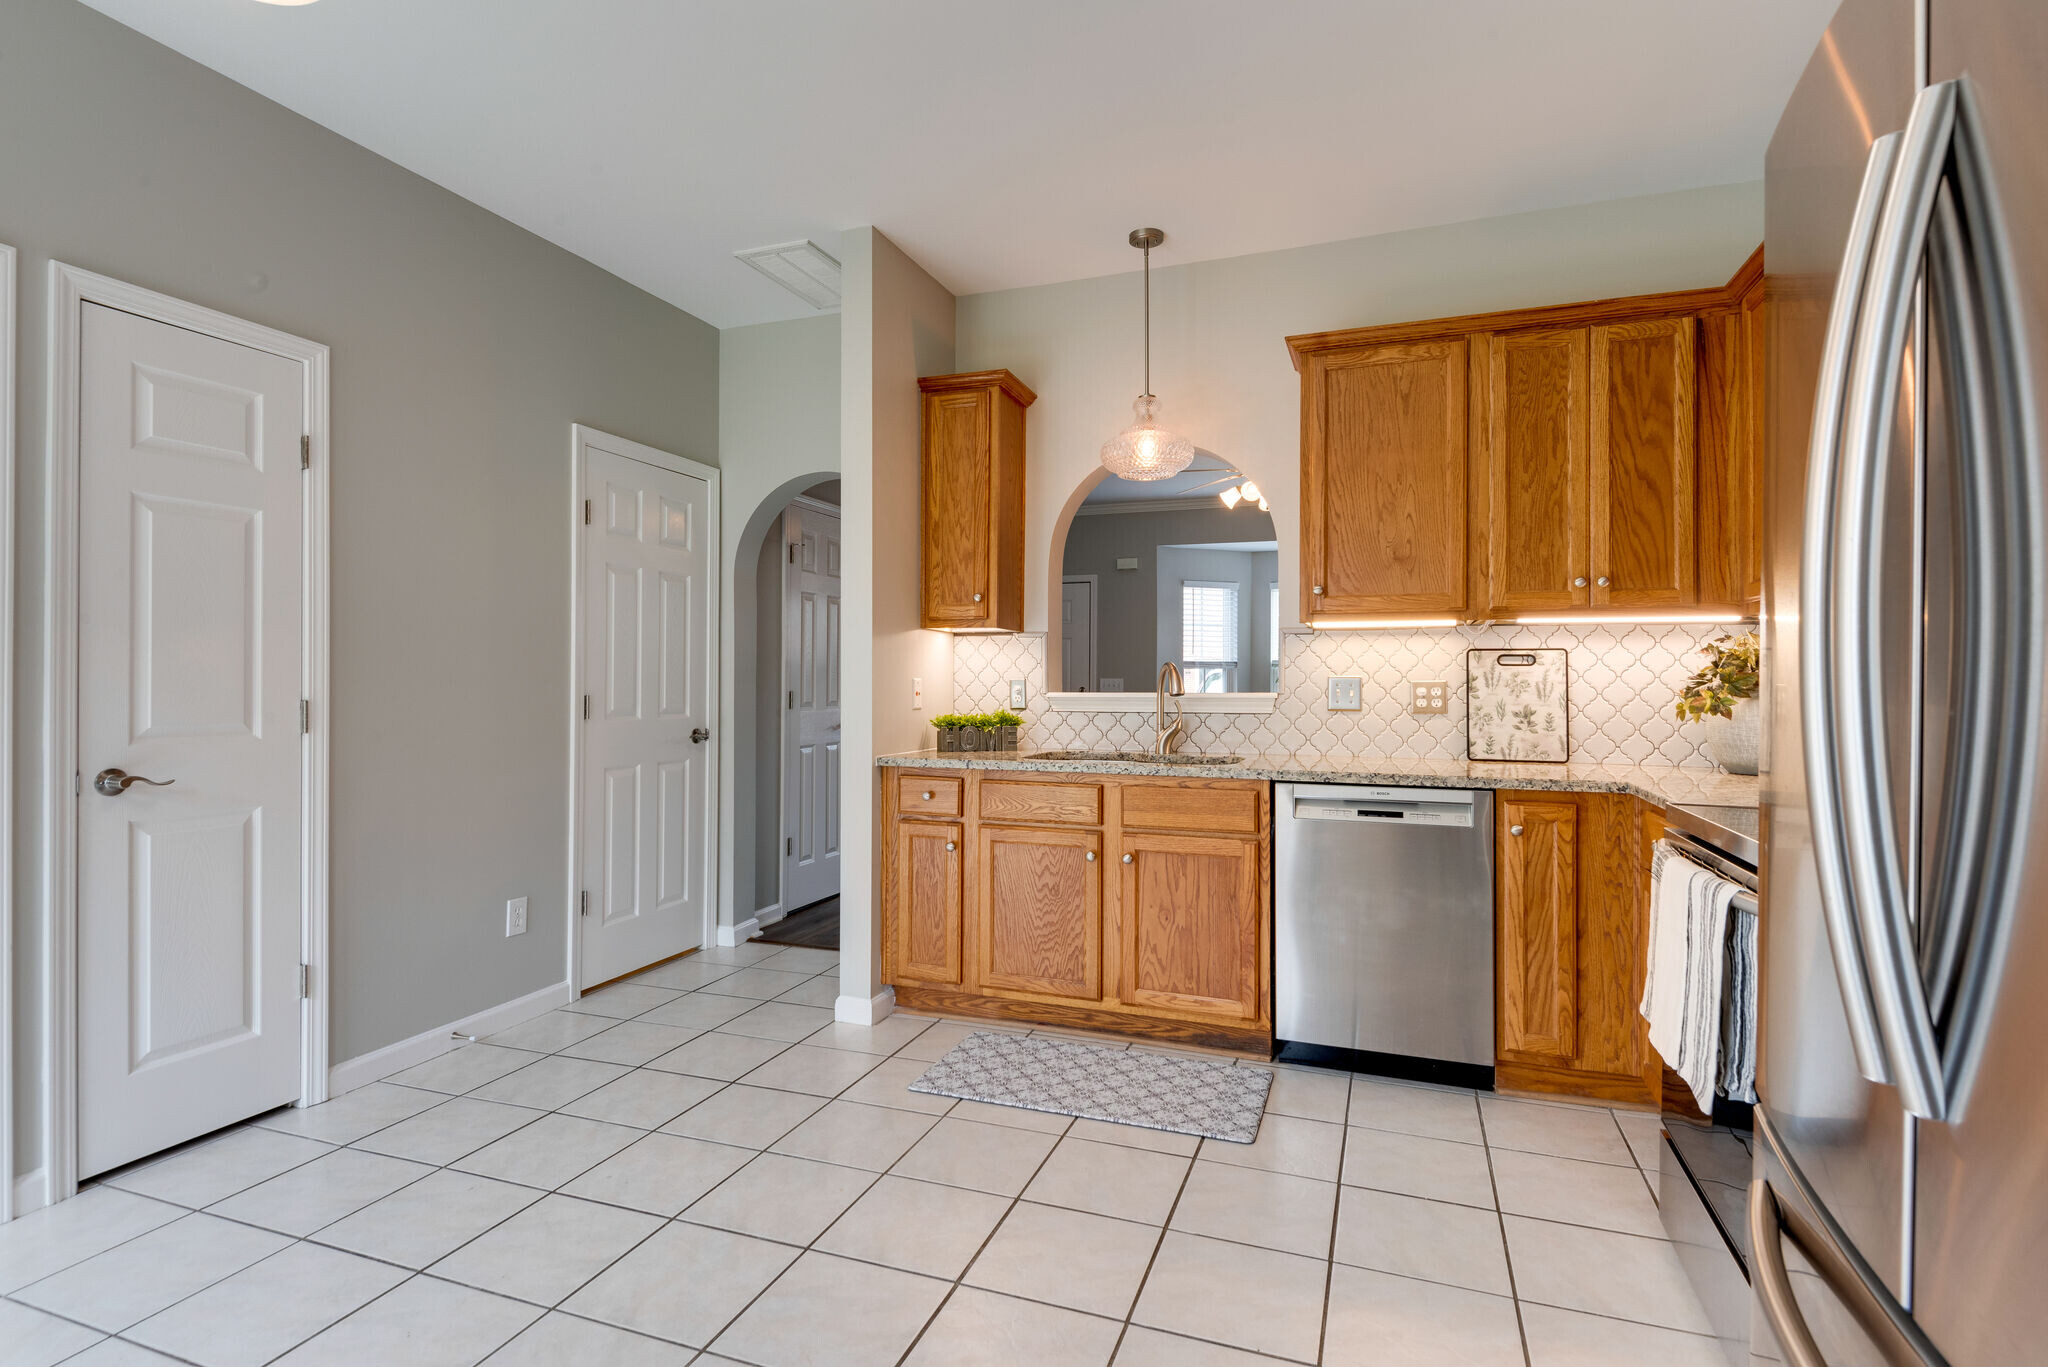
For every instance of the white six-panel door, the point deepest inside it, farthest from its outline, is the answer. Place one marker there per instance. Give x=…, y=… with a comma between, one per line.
x=648, y=775
x=811, y=749
x=189, y=673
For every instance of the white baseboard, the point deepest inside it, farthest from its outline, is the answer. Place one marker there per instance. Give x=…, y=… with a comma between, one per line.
x=30, y=1192
x=393, y=1058
x=728, y=936
x=865, y=1010
x=768, y=916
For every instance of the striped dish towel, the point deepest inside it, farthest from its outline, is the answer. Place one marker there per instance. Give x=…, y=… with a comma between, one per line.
x=1683, y=985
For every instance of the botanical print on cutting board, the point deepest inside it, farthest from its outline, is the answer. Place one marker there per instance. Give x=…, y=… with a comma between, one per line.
x=1518, y=708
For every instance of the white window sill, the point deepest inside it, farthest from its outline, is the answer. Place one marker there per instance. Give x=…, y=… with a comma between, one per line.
x=1254, y=704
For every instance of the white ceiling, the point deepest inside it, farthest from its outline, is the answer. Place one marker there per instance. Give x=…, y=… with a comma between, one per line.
x=1012, y=144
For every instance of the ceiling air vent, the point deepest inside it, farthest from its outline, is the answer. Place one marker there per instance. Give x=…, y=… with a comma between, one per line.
x=802, y=268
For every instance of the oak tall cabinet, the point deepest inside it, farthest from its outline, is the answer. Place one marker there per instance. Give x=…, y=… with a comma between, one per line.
x=973, y=500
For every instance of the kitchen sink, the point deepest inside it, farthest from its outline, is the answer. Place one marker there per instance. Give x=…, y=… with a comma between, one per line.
x=1135, y=757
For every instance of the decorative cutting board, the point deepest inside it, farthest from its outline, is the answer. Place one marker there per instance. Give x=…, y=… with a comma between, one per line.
x=1516, y=705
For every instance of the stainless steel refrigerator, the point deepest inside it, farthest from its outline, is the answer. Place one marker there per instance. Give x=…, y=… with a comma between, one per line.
x=1899, y=1212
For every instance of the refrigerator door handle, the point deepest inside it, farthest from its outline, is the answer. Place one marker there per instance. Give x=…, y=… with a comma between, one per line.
x=1890, y=1331
x=1985, y=808
x=1774, y=1283
x=1870, y=829
x=1817, y=613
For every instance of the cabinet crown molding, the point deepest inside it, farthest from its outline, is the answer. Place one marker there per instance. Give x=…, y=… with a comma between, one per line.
x=980, y=379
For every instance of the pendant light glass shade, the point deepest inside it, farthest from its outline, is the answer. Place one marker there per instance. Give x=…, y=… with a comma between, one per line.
x=1145, y=450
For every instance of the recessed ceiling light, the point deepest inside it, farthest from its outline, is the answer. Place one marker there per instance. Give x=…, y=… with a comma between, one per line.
x=285, y=2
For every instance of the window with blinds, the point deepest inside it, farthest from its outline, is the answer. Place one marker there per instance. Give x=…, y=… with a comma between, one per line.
x=1208, y=635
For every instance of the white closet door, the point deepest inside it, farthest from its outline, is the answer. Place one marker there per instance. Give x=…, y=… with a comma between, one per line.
x=648, y=772
x=190, y=908
x=810, y=750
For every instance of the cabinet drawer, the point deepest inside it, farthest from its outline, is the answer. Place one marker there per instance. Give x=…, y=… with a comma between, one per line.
x=1169, y=807
x=917, y=796
x=1078, y=804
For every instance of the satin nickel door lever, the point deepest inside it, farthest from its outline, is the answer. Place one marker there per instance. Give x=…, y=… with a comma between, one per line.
x=114, y=782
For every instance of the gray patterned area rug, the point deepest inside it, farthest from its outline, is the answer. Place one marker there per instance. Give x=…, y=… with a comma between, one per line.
x=1215, y=1100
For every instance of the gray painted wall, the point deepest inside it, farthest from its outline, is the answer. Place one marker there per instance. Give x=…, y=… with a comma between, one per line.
x=463, y=348
x=1128, y=618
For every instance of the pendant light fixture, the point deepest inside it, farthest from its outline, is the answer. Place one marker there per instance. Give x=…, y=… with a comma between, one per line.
x=1145, y=450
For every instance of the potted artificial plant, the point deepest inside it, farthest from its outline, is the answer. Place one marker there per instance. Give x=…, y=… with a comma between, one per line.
x=1722, y=697
x=977, y=730
x=956, y=732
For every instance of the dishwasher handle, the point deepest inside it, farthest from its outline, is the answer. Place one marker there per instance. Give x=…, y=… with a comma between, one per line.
x=1378, y=811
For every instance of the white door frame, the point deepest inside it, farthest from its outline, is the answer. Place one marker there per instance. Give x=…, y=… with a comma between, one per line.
x=70, y=290
x=582, y=437
x=7, y=731
x=1094, y=583
x=786, y=732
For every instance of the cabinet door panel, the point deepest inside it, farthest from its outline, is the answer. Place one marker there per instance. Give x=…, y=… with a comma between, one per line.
x=1039, y=912
x=1536, y=468
x=957, y=491
x=1191, y=925
x=926, y=902
x=1384, y=480
x=1536, y=854
x=1642, y=464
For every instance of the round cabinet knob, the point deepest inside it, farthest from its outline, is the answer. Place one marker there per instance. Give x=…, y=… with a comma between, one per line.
x=1602, y=581
x=1127, y=859
x=927, y=797
x=1512, y=830
x=977, y=598
x=1317, y=590
x=1579, y=582
x=1091, y=856
x=951, y=846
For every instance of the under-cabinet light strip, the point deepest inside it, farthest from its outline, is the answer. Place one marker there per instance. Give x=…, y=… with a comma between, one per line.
x=1412, y=623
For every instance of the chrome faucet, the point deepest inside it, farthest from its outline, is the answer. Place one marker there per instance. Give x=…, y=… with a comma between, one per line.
x=1165, y=737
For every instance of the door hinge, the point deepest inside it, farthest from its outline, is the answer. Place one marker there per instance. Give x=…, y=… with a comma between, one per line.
x=305, y=981
x=586, y=707
x=586, y=512
x=789, y=844
x=792, y=700
x=583, y=904
x=305, y=716
x=305, y=450
x=792, y=552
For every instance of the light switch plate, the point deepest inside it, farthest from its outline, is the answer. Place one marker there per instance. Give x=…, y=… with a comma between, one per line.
x=515, y=917
x=1347, y=693
x=1018, y=693
x=1429, y=697
x=916, y=694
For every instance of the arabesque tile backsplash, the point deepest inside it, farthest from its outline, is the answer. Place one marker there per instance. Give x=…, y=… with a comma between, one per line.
x=1624, y=678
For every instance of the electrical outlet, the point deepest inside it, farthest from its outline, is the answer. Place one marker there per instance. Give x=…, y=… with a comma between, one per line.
x=1017, y=694
x=1346, y=693
x=1429, y=698
x=916, y=694
x=515, y=917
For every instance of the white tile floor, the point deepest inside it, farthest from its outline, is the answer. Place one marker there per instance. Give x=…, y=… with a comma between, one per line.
x=701, y=1166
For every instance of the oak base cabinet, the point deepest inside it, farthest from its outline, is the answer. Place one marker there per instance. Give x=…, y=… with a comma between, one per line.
x=1571, y=940
x=1140, y=906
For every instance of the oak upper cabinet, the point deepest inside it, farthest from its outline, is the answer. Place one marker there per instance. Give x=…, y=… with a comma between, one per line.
x=1536, y=927
x=1192, y=924
x=1571, y=921
x=1535, y=533
x=924, y=901
x=1038, y=912
x=1383, y=479
x=973, y=500
x=1641, y=464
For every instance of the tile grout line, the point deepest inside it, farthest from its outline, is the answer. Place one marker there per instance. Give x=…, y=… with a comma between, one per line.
x=1507, y=1255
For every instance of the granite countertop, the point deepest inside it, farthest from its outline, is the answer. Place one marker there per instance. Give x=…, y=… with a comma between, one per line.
x=1661, y=784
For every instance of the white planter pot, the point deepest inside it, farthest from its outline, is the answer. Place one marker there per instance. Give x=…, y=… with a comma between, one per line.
x=1732, y=740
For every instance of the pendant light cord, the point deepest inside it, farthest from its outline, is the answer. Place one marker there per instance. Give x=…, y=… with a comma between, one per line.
x=1148, y=322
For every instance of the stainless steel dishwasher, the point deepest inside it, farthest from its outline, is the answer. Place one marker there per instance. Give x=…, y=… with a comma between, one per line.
x=1383, y=929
